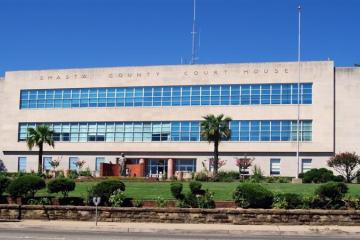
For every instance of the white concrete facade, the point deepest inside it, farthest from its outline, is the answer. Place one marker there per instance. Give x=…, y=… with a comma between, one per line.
x=328, y=135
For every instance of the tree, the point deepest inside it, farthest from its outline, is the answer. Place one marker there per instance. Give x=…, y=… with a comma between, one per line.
x=243, y=163
x=54, y=163
x=2, y=166
x=215, y=129
x=37, y=137
x=347, y=164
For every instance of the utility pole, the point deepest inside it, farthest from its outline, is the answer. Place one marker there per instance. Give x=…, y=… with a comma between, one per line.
x=193, y=33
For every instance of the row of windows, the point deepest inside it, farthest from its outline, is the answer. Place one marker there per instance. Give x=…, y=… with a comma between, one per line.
x=275, y=166
x=244, y=94
x=243, y=130
x=152, y=166
x=156, y=167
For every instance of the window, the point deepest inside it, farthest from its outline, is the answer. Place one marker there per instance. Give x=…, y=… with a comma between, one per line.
x=305, y=165
x=72, y=161
x=244, y=94
x=22, y=164
x=186, y=165
x=274, y=166
x=98, y=161
x=46, y=163
x=244, y=130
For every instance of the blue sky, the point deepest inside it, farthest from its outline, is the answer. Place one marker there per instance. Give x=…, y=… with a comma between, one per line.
x=44, y=34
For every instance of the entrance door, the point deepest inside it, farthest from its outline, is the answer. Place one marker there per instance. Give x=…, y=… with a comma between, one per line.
x=155, y=167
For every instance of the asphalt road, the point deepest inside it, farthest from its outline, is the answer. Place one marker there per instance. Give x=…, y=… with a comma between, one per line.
x=18, y=234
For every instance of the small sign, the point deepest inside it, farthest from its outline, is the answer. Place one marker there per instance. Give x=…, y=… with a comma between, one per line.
x=96, y=200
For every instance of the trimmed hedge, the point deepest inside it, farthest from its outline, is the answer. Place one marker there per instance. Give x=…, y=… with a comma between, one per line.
x=63, y=185
x=105, y=189
x=4, y=183
x=252, y=195
x=176, y=190
x=319, y=175
x=25, y=186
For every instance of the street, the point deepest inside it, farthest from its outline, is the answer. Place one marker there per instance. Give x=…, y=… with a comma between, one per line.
x=46, y=234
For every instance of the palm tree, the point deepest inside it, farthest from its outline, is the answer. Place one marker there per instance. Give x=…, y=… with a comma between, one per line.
x=37, y=137
x=214, y=129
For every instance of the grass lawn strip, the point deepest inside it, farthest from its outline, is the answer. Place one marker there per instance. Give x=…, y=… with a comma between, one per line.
x=223, y=190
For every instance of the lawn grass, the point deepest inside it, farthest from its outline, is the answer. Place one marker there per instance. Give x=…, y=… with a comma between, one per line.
x=222, y=190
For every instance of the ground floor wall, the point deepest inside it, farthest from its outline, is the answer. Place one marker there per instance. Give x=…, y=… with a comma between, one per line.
x=277, y=164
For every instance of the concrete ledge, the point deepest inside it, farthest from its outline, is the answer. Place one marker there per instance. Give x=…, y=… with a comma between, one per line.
x=181, y=215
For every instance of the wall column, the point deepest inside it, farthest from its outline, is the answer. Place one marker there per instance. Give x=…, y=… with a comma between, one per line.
x=142, y=167
x=170, y=168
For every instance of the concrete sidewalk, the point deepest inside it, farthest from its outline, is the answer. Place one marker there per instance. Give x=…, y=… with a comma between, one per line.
x=182, y=228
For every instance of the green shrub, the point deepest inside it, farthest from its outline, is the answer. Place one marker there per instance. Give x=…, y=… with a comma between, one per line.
x=275, y=179
x=206, y=200
x=73, y=174
x=63, y=185
x=139, y=203
x=332, y=191
x=318, y=175
x=38, y=201
x=105, y=189
x=26, y=185
x=230, y=176
x=4, y=183
x=287, y=201
x=330, y=196
x=201, y=176
x=176, y=190
x=161, y=202
x=85, y=173
x=196, y=198
x=195, y=187
x=251, y=195
x=74, y=201
x=118, y=199
x=339, y=178
x=258, y=175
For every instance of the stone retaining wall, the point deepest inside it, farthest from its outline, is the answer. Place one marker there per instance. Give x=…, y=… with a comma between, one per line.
x=177, y=215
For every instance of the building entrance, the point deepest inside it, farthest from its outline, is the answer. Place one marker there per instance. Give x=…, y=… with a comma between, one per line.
x=155, y=167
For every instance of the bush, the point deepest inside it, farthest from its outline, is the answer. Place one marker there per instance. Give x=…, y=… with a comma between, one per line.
x=139, y=203
x=274, y=179
x=73, y=174
x=339, y=178
x=38, y=201
x=195, y=187
x=258, y=174
x=206, y=200
x=227, y=176
x=4, y=183
x=74, y=201
x=25, y=186
x=251, y=195
x=332, y=191
x=330, y=196
x=85, y=173
x=196, y=198
x=201, y=176
x=318, y=175
x=105, y=189
x=161, y=202
x=118, y=199
x=63, y=185
x=288, y=201
x=176, y=190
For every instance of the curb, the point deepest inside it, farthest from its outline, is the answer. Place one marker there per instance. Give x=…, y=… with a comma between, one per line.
x=184, y=231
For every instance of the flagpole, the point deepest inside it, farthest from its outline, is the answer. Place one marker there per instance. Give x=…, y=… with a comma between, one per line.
x=299, y=99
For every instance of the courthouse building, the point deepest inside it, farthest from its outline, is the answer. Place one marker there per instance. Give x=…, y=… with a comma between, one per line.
x=152, y=114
